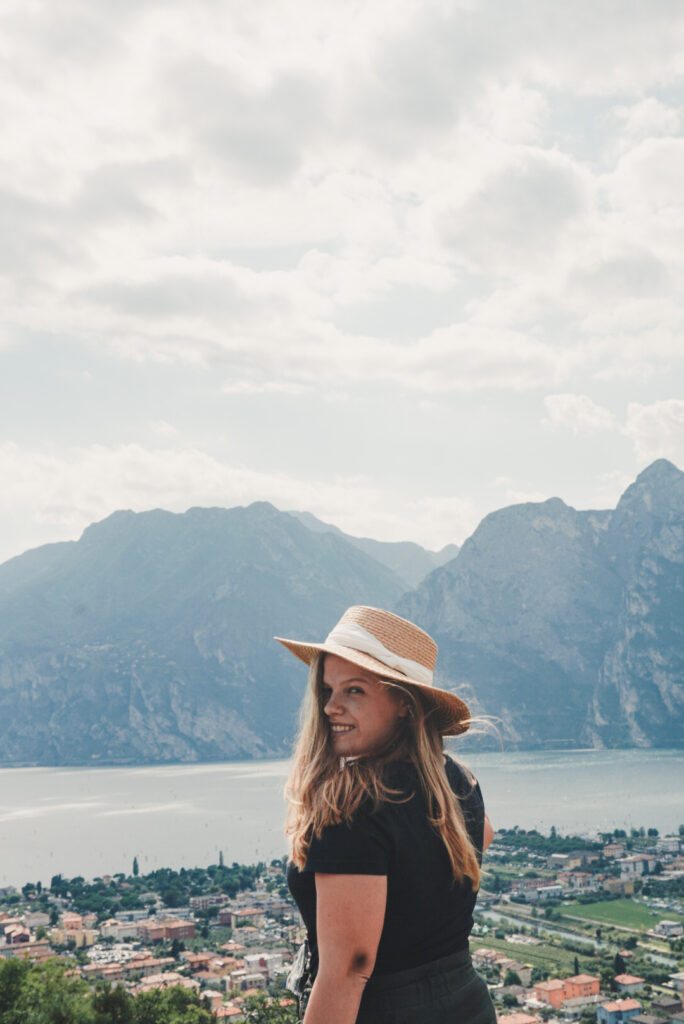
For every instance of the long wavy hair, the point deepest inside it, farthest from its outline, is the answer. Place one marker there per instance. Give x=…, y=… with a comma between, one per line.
x=322, y=790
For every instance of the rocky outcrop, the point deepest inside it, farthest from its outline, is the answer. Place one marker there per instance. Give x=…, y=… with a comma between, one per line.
x=566, y=626
x=639, y=697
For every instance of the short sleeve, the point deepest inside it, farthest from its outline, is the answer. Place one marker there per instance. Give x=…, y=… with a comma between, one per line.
x=361, y=847
x=472, y=804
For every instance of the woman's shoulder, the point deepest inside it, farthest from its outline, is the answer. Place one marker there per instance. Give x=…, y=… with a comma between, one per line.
x=461, y=779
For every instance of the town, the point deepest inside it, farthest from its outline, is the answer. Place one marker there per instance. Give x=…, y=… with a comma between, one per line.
x=566, y=928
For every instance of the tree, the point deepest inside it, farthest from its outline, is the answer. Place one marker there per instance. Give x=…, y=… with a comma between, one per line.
x=171, y=1006
x=653, y=832
x=48, y=996
x=12, y=976
x=619, y=965
x=136, y=869
x=509, y=999
x=112, y=1005
x=258, y=1010
x=577, y=970
x=512, y=978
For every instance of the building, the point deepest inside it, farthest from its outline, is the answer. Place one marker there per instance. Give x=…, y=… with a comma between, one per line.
x=35, y=951
x=551, y=992
x=145, y=965
x=72, y=921
x=557, y=991
x=668, y=1006
x=678, y=980
x=668, y=929
x=668, y=845
x=613, y=850
x=167, y=930
x=550, y=892
x=625, y=885
x=119, y=929
x=617, y=1011
x=17, y=933
x=577, y=879
x=169, y=979
x=82, y=938
x=231, y=918
x=110, y=972
x=628, y=983
x=581, y=986
x=640, y=864
x=209, y=899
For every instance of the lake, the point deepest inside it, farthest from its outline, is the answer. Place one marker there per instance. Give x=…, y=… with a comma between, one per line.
x=94, y=821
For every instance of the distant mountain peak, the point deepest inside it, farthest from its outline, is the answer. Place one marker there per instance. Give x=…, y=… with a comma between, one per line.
x=658, y=489
x=662, y=470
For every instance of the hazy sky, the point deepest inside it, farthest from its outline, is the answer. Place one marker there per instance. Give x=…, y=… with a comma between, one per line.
x=397, y=262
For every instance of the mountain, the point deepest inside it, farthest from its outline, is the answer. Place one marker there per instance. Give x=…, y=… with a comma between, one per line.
x=639, y=698
x=150, y=638
x=569, y=626
x=409, y=561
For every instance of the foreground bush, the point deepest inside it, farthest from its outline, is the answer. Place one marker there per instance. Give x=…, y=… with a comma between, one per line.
x=49, y=994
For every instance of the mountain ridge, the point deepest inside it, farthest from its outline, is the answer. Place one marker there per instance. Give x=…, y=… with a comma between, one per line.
x=150, y=638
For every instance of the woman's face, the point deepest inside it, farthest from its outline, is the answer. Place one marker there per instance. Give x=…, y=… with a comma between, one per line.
x=363, y=713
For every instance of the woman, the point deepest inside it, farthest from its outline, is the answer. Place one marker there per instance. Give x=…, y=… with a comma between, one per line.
x=386, y=832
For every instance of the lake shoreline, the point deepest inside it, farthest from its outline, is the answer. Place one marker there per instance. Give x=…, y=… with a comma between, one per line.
x=93, y=821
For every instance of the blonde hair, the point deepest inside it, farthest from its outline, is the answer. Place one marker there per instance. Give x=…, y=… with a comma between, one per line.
x=321, y=793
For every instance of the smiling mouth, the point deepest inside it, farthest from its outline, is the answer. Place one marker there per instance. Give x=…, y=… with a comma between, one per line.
x=341, y=728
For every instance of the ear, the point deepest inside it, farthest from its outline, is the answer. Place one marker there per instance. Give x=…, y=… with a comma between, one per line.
x=404, y=709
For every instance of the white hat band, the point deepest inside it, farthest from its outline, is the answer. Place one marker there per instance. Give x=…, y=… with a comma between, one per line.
x=348, y=634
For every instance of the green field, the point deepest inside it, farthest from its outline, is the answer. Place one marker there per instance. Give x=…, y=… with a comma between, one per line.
x=625, y=913
x=555, y=959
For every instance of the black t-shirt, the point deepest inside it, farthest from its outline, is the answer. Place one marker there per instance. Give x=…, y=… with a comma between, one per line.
x=428, y=914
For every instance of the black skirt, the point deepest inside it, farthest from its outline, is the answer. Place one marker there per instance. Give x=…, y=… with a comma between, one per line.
x=446, y=991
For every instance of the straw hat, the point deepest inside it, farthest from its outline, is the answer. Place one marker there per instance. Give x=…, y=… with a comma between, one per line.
x=393, y=648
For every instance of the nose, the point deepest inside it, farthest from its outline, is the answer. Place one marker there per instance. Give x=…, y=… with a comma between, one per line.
x=331, y=705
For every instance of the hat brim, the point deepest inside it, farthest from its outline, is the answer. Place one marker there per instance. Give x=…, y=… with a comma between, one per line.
x=452, y=714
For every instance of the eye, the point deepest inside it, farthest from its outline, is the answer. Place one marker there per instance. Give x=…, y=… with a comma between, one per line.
x=356, y=689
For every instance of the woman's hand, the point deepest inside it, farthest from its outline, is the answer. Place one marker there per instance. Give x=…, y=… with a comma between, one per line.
x=350, y=912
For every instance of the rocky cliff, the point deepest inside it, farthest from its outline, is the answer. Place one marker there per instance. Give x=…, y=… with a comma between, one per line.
x=568, y=626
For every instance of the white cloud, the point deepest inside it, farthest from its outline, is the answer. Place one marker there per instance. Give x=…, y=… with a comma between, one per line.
x=657, y=429
x=645, y=119
x=518, y=216
x=261, y=198
x=577, y=413
x=164, y=429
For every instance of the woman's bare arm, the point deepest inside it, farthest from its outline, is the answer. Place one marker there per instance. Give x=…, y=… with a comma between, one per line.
x=350, y=911
x=488, y=833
